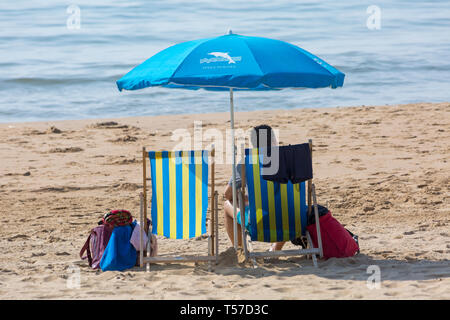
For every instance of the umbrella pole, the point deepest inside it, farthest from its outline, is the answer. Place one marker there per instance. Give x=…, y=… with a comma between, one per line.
x=234, y=170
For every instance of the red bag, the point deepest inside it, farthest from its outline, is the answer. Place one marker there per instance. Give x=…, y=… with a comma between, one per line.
x=336, y=240
x=95, y=245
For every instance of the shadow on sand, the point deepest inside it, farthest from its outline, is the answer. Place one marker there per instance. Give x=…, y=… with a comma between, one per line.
x=353, y=268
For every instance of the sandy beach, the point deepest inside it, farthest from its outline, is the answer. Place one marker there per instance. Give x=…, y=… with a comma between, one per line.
x=382, y=170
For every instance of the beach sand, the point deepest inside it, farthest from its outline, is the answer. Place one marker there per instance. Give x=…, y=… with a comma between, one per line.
x=383, y=171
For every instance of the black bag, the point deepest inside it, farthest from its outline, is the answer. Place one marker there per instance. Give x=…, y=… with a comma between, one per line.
x=322, y=211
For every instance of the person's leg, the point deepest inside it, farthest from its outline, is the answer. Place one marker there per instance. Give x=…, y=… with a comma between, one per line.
x=229, y=217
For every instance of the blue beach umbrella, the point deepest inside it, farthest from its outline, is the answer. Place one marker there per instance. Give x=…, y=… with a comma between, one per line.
x=233, y=62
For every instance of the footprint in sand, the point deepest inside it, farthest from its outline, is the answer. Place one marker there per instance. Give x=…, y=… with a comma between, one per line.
x=18, y=237
x=108, y=125
x=124, y=161
x=62, y=253
x=282, y=290
x=53, y=129
x=336, y=288
x=385, y=253
x=125, y=139
x=65, y=150
x=42, y=217
x=191, y=294
x=50, y=278
x=26, y=279
x=368, y=238
x=38, y=254
x=100, y=293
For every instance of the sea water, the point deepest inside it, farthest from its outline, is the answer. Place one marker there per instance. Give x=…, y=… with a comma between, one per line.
x=60, y=59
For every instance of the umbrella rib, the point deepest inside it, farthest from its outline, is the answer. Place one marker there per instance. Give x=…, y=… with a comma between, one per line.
x=326, y=66
x=256, y=61
x=179, y=66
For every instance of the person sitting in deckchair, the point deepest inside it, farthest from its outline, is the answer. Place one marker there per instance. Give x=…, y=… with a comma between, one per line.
x=261, y=137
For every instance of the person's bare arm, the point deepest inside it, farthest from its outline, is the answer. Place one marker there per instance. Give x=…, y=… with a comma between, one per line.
x=229, y=193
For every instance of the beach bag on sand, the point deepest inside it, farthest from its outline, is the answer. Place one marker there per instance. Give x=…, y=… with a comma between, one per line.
x=118, y=218
x=301, y=241
x=95, y=245
x=337, y=241
x=119, y=254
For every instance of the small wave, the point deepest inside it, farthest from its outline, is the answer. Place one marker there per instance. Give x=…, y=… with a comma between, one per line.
x=59, y=81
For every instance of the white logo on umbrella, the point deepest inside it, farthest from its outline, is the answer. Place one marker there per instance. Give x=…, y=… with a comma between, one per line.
x=222, y=55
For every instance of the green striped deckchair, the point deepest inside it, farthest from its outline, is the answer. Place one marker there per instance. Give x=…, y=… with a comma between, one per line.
x=277, y=212
x=180, y=201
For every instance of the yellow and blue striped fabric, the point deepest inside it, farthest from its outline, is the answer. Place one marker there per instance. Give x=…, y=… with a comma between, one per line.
x=179, y=193
x=278, y=212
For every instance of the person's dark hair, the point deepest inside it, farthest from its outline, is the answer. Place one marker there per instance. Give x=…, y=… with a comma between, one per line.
x=260, y=132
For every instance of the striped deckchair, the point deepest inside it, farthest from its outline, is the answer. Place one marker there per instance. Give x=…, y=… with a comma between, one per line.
x=277, y=212
x=180, y=201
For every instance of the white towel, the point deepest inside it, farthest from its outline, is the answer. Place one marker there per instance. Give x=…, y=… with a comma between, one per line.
x=135, y=239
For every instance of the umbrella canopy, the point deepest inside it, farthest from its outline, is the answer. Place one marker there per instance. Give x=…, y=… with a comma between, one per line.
x=233, y=61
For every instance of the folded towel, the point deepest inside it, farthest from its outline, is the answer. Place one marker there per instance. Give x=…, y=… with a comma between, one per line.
x=119, y=253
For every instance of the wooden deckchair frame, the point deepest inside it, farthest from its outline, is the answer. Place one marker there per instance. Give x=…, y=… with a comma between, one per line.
x=212, y=227
x=247, y=242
